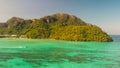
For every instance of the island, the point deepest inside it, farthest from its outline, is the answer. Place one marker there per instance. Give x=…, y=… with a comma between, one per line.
x=59, y=26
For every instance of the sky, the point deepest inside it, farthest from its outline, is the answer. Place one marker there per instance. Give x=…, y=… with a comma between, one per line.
x=103, y=13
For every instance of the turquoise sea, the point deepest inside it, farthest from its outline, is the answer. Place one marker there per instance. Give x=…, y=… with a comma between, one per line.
x=28, y=53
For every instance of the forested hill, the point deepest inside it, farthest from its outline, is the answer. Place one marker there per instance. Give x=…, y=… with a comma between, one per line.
x=58, y=26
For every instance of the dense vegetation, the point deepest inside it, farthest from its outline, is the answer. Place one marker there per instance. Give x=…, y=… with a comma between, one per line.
x=57, y=26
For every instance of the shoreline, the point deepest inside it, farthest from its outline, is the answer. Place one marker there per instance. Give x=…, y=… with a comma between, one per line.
x=50, y=39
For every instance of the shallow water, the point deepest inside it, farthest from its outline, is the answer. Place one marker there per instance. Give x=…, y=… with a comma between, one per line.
x=27, y=53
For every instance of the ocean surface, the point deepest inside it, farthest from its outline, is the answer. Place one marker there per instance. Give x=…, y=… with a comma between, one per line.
x=28, y=53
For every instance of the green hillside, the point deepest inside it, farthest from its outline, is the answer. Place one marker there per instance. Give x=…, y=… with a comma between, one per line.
x=57, y=26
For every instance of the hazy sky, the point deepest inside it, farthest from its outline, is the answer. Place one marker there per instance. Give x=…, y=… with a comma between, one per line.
x=104, y=13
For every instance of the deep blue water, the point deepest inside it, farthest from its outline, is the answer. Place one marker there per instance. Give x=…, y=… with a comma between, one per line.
x=116, y=38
